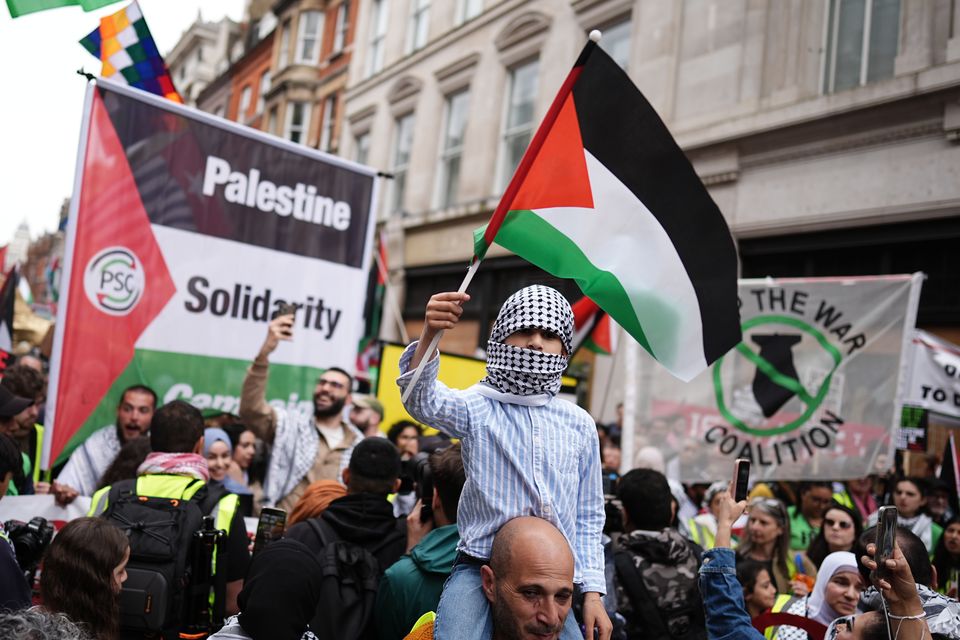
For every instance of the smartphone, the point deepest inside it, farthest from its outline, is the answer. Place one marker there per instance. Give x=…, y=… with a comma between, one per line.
x=886, y=534
x=271, y=526
x=285, y=309
x=741, y=478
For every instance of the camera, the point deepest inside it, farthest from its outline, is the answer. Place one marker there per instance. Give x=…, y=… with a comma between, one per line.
x=30, y=540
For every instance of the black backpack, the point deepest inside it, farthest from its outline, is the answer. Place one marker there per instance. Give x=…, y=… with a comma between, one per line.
x=351, y=575
x=153, y=601
x=654, y=617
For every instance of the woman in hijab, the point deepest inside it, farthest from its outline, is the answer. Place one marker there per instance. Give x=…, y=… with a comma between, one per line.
x=835, y=594
x=315, y=500
x=279, y=596
x=218, y=451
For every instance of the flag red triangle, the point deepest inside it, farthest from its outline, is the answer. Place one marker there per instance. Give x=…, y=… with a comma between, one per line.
x=97, y=346
x=558, y=176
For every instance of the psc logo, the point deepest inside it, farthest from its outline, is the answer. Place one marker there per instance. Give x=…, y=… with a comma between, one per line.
x=114, y=281
x=767, y=349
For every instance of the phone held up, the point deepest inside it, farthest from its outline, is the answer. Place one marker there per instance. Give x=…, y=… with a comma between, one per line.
x=886, y=534
x=272, y=524
x=741, y=478
x=286, y=309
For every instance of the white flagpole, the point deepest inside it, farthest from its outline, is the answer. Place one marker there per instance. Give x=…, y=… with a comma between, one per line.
x=436, y=339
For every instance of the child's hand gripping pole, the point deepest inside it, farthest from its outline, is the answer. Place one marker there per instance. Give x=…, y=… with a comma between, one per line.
x=474, y=265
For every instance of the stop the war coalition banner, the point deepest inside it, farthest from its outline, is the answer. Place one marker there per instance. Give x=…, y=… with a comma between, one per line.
x=186, y=234
x=934, y=375
x=812, y=391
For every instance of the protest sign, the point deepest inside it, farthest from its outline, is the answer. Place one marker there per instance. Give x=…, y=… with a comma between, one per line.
x=186, y=234
x=813, y=391
x=24, y=508
x=934, y=375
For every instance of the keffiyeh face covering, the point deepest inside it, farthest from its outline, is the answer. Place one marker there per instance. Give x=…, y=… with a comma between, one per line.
x=526, y=372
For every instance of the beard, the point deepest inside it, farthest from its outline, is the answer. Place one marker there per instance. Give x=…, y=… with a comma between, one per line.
x=336, y=406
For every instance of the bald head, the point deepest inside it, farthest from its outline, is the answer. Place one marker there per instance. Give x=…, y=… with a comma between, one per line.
x=529, y=581
x=528, y=537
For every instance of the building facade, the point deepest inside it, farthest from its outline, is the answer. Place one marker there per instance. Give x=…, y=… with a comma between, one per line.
x=203, y=53
x=826, y=131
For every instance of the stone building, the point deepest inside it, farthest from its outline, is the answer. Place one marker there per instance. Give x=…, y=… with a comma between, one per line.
x=826, y=131
x=203, y=53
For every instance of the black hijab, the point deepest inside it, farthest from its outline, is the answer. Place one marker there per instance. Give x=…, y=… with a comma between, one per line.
x=280, y=592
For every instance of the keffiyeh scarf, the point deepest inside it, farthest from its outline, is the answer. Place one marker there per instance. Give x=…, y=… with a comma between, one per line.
x=177, y=464
x=526, y=372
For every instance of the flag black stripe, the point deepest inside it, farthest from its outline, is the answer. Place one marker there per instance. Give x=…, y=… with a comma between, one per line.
x=620, y=128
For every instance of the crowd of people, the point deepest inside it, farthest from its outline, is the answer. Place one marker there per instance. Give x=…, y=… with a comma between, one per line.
x=512, y=522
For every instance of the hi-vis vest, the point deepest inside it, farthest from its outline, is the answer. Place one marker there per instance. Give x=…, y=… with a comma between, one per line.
x=782, y=603
x=170, y=486
x=701, y=534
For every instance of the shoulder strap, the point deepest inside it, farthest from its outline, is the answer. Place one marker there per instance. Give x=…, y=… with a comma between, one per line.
x=643, y=605
x=208, y=496
x=118, y=489
x=323, y=531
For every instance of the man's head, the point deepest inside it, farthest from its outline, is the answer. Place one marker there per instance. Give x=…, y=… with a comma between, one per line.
x=11, y=406
x=177, y=427
x=135, y=411
x=446, y=466
x=529, y=580
x=815, y=497
x=331, y=393
x=27, y=383
x=31, y=361
x=646, y=499
x=374, y=468
x=366, y=413
x=914, y=552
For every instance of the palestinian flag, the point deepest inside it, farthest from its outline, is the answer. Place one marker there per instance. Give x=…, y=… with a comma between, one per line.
x=592, y=328
x=368, y=354
x=18, y=8
x=8, y=294
x=605, y=196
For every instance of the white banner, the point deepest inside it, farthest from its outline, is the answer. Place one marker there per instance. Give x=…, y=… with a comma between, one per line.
x=934, y=375
x=813, y=391
x=24, y=508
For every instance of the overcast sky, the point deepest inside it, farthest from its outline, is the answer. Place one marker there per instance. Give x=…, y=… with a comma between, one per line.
x=42, y=100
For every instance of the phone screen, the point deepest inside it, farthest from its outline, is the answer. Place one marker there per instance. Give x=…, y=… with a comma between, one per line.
x=886, y=534
x=271, y=526
x=741, y=478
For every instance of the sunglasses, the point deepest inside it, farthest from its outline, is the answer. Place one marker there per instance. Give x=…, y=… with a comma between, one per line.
x=843, y=524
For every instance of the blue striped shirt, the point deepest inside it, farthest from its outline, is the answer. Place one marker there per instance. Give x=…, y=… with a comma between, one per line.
x=520, y=460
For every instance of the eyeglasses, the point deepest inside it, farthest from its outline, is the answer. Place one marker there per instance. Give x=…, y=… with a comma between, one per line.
x=843, y=524
x=331, y=383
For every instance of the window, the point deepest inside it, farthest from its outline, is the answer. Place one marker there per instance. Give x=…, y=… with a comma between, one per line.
x=518, y=125
x=340, y=33
x=403, y=143
x=329, y=118
x=199, y=54
x=272, y=121
x=378, y=34
x=298, y=120
x=219, y=111
x=284, y=53
x=861, y=42
x=308, y=37
x=616, y=42
x=467, y=9
x=264, y=90
x=244, y=103
x=419, y=21
x=453, y=147
x=362, y=144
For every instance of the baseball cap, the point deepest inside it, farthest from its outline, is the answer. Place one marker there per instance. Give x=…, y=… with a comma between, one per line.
x=367, y=402
x=10, y=404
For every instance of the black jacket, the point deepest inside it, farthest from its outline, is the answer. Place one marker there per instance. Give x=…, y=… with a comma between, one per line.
x=365, y=519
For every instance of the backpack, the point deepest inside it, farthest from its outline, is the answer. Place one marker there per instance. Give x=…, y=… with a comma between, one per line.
x=154, y=598
x=348, y=589
x=676, y=617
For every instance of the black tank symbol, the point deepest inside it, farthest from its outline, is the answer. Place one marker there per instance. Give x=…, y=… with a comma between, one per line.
x=775, y=349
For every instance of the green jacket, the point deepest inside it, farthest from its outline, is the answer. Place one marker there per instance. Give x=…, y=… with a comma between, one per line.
x=412, y=586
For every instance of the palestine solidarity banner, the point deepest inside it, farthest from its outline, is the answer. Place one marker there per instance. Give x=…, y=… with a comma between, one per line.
x=813, y=391
x=934, y=375
x=186, y=234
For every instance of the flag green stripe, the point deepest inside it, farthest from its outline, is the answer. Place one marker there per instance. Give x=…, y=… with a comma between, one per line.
x=22, y=7
x=558, y=255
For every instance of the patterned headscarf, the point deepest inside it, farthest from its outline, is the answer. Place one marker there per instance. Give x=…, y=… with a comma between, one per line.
x=521, y=371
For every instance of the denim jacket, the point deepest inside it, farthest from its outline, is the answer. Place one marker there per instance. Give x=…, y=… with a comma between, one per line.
x=727, y=617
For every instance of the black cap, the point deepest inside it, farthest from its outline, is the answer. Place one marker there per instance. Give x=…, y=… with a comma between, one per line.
x=10, y=404
x=375, y=459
